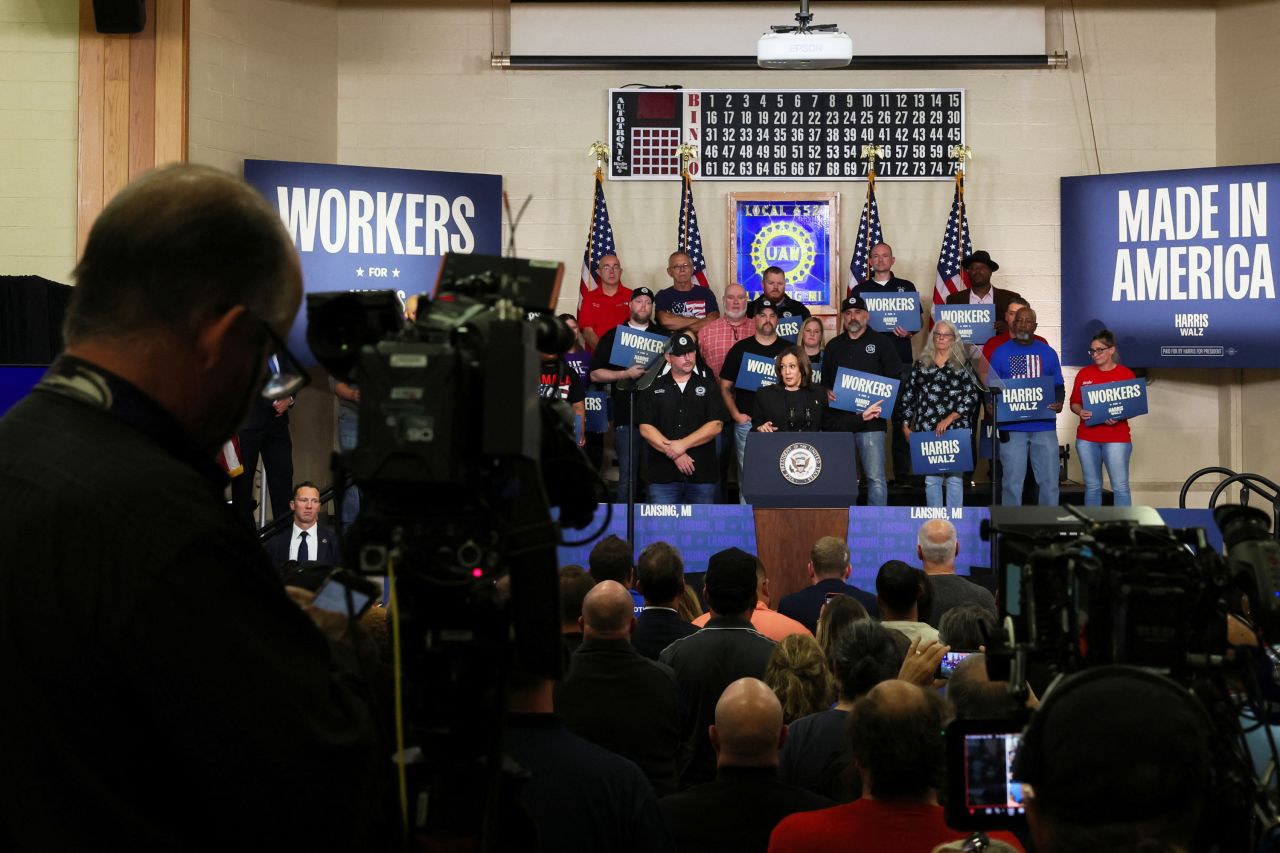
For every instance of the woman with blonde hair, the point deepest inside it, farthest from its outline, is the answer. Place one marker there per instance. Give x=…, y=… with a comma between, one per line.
x=797, y=671
x=941, y=393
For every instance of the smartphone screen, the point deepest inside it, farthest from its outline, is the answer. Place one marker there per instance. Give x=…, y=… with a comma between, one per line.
x=989, y=788
x=949, y=662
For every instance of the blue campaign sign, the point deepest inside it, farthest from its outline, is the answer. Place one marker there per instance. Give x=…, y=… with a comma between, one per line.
x=789, y=328
x=1025, y=400
x=1179, y=264
x=364, y=228
x=756, y=372
x=976, y=324
x=949, y=453
x=795, y=236
x=889, y=310
x=856, y=391
x=635, y=346
x=597, y=405
x=1115, y=400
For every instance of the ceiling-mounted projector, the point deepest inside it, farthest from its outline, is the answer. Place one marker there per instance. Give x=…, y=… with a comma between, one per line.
x=806, y=45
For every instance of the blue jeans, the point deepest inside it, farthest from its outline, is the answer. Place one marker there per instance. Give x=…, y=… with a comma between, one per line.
x=682, y=493
x=348, y=435
x=870, y=447
x=935, y=484
x=740, y=433
x=622, y=444
x=1042, y=447
x=1113, y=454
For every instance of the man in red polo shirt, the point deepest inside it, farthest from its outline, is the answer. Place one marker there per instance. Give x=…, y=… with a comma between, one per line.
x=607, y=305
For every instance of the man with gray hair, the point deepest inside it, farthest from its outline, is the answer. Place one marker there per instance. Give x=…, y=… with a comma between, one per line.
x=747, y=800
x=937, y=547
x=829, y=572
x=182, y=687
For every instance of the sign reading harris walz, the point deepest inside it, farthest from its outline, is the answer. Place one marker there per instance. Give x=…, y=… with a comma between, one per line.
x=364, y=228
x=1180, y=265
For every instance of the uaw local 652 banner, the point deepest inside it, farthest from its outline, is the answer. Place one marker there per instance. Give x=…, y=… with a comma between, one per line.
x=364, y=228
x=1180, y=265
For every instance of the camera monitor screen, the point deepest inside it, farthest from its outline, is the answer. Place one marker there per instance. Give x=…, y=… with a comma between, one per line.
x=982, y=793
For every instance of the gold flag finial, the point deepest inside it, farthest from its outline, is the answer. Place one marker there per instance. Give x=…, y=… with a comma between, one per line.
x=960, y=153
x=686, y=152
x=600, y=151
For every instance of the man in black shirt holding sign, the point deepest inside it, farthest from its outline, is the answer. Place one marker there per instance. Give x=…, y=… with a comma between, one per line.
x=738, y=401
x=680, y=416
x=883, y=282
x=605, y=372
x=865, y=351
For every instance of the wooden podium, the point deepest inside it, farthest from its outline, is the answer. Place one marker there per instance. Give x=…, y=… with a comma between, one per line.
x=801, y=485
x=784, y=536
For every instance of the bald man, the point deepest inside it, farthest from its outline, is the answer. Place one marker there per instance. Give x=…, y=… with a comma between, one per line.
x=617, y=698
x=747, y=800
x=937, y=546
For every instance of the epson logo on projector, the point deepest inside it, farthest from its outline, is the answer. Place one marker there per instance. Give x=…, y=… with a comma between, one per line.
x=804, y=48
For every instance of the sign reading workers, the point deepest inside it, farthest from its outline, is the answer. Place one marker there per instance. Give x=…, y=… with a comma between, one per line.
x=364, y=228
x=1180, y=265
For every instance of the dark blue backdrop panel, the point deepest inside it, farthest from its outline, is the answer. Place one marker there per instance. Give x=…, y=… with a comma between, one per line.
x=876, y=534
x=367, y=228
x=1180, y=265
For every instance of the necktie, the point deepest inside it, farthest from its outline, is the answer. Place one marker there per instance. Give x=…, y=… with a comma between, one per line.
x=303, y=556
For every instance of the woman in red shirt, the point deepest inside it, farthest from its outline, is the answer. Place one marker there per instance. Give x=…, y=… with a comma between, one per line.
x=1106, y=443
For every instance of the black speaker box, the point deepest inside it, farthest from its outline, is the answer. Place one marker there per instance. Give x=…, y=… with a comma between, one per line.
x=120, y=16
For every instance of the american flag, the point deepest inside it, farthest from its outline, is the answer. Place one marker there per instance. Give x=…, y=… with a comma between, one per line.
x=688, y=240
x=956, y=244
x=1024, y=367
x=869, y=234
x=599, y=242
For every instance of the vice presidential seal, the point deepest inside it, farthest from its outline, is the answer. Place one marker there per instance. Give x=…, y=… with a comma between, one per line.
x=800, y=463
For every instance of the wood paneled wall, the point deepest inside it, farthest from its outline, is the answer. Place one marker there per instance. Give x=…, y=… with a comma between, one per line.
x=132, y=104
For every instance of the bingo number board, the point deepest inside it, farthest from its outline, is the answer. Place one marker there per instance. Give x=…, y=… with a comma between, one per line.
x=784, y=134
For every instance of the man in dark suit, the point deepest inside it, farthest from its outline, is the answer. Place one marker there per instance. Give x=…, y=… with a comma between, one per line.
x=829, y=571
x=747, y=800
x=980, y=266
x=265, y=433
x=615, y=698
x=304, y=541
x=660, y=578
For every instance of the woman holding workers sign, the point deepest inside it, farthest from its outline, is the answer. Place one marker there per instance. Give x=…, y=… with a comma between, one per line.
x=941, y=393
x=1102, y=442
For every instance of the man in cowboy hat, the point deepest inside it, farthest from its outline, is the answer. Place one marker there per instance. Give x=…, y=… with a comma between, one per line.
x=980, y=266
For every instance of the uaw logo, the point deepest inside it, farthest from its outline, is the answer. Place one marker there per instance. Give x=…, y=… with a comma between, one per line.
x=785, y=245
x=800, y=463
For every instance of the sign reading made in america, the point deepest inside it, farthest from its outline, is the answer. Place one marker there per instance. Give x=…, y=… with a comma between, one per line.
x=784, y=134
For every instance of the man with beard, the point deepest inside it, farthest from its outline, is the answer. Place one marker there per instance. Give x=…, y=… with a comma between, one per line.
x=1025, y=357
x=738, y=401
x=714, y=342
x=980, y=266
x=866, y=351
x=157, y=675
x=614, y=375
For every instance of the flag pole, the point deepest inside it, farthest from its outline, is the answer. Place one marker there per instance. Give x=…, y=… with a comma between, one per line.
x=871, y=153
x=686, y=152
x=960, y=153
x=600, y=152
